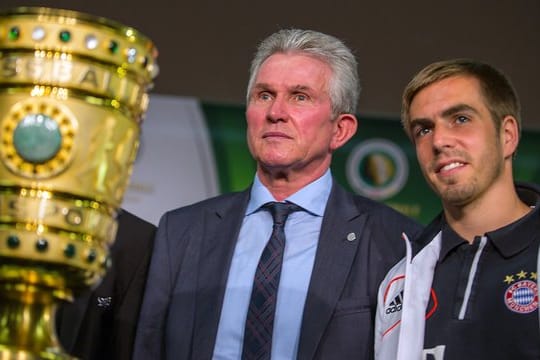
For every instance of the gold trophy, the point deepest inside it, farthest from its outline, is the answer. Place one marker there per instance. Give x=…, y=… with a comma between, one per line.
x=73, y=93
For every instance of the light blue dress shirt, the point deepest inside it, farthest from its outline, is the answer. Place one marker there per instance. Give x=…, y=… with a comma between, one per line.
x=302, y=234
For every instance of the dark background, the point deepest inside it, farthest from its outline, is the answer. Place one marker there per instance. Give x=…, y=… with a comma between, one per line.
x=205, y=46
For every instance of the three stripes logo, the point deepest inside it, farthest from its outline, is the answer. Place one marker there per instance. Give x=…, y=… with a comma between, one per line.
x=396, y=304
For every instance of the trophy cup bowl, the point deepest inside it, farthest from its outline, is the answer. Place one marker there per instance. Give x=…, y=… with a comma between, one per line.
x=73, y=93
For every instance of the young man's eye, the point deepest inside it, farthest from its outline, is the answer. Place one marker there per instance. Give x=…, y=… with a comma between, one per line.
x=419, y=131
x=423, y=131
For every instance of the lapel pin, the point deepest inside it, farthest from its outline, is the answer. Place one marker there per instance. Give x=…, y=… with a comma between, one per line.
x=351, y=236
x=104, y=301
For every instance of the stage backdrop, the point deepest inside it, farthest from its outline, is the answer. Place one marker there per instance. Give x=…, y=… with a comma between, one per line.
x=192, y=150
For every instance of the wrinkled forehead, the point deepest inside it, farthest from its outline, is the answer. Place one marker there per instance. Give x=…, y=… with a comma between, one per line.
x=294, y=69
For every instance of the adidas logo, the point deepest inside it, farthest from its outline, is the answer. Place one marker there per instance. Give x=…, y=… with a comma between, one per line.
x=396, y=304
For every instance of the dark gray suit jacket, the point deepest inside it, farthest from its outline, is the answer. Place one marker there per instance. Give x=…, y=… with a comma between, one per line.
x=193, y=251
x=100, y=324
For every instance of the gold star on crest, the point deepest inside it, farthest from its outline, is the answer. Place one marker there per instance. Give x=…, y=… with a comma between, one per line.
x=534, y=276
x=509, y=279
x=521, y=275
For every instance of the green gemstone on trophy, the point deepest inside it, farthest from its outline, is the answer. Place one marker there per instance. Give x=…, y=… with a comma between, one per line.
x=13, y=242
x=42, y=245
x=69, y=250
x=113, y=47
x=14, y=33
x=37, y=138
x=65, y=36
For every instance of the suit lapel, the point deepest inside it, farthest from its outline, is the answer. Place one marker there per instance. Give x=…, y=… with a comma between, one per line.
x=335, y=254
x=222, y=228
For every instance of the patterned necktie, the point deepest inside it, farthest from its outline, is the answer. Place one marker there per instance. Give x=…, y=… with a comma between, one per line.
x=262, y=306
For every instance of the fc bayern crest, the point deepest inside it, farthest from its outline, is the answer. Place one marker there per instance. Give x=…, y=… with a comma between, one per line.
x=522, y=297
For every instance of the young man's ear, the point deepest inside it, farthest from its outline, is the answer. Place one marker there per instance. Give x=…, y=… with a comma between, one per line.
x=509, y=135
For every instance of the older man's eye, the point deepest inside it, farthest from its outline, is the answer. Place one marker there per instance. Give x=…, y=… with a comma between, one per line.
x=460, y=119
x=264, y=96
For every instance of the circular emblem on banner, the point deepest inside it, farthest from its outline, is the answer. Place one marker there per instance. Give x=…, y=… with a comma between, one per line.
x=37, y=138
x=522, y=297
x=377, y=168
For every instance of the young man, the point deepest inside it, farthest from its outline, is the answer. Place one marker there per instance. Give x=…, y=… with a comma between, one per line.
x=468, y=288
x=205, y=272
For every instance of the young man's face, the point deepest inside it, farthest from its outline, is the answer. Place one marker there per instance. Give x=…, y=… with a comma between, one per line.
x=457, y=145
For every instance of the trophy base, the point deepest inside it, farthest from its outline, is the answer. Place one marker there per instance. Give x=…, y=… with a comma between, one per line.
x=17, y=354
x=27, y=315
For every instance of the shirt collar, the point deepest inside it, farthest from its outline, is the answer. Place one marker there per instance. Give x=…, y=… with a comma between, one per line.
x=508, y=240
x=312, y=197
x=514, y=237
x=450, y=240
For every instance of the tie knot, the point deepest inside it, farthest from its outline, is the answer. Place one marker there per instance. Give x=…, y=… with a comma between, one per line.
x=280, y=211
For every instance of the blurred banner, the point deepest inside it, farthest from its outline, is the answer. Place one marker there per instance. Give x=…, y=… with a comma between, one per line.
x=192, y=150
x=175, y=164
